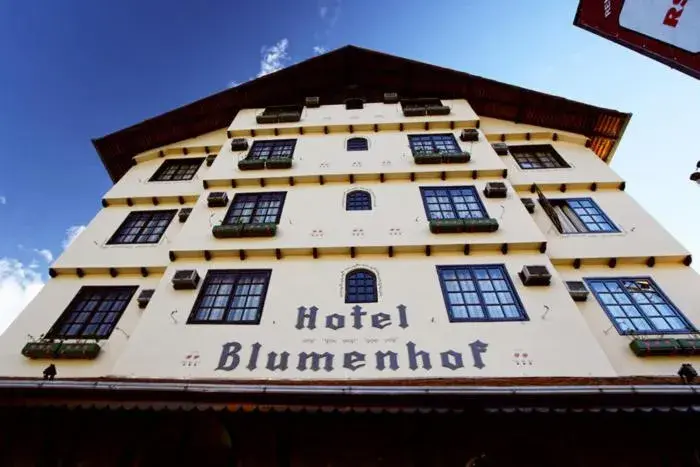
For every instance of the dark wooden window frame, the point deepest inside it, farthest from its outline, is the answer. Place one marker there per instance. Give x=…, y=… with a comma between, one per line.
x=433, y=143
x=92, y=306
x=185, y=169
x=258, y=199
x=529, y=157
x=147, y=217
x=272, y=149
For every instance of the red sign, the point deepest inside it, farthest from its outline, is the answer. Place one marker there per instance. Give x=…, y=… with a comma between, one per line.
x=665, y=30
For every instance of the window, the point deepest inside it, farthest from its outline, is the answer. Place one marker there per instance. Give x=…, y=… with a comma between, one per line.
x=361, y=286
x=256, y=208
x=581, y=215
x=421, y=144
x=231, y=297
x=142, y=227
x=92, y=314
x=272, y=149
x=480, y=293
x=537, y=157
x=458, y=202
x=357, y=144
x=177, y=169
x=358, y=200
x=638, y=306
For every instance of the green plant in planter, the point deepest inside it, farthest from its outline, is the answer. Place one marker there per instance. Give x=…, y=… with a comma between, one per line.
x=446, y=226
x=422, y=157
x=269, y=118
x=267, y=229
x=414, y=111
x=251, y=164
x=281, y=163
x=41, y=349
x=228, y=230
x=480, y=225
x=438, y=110
x=456, y=157
x=652, y=347
x=79, y=350
x=689, y=346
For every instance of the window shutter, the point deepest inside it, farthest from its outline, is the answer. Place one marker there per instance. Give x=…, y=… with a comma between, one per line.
x=549, y=209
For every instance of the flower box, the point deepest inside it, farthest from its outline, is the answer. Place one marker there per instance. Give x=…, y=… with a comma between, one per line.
x=268, y=229
x=428, y=158
x=37, y=350
x=414, y=111
x=480, y=225
x=689, y=346
x=287, y=117
x=438, y=110
x=281, y=163
x=227, y=230
x=251, y=164
x=270, y=118
x=653, y=347
x=456, y=157
x=79, y=351
x=438, y=226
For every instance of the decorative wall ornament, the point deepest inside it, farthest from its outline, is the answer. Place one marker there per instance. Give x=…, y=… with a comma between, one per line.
x=191, y=359
x=357, y=164
x=394, y=231
x=317, y=233
x=358, y=232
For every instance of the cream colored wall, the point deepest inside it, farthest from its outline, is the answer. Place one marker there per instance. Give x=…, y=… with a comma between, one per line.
x=640, y=234
x=90, y=248
x=38, y=317
x=681, y=284
x=567, y=340
x=586, y=167
x=397, y=205
x=552, y=340
x=338, y=115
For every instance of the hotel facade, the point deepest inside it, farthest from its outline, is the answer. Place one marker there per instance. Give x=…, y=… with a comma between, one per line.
x=361, y=260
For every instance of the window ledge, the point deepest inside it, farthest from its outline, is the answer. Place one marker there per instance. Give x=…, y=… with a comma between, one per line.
x=439, y=226
x=665, y=347
x=244, y=230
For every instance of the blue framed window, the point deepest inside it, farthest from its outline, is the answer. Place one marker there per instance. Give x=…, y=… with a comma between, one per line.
x=456, y=202
x=358, y=200
x=361, y=286
x=272, y=149
x=443, y=143
x=480, y=293
x=581, y=215
x=357, y=144
x=636, y=305
x=235, y=296
x=256, y=208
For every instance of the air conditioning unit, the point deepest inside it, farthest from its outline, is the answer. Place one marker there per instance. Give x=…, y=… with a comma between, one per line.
x=313, y=102
x=217, y=199
x=495, y=190
x=354, y=103
x=529, y=204
x=469, y=134
x=210, y=159
x=186, y=279
x=577, y=290
x=239, y=144
x=391, y=97
x=500, y=148
x=145, y=297
x=183, y=214
x=535, y=275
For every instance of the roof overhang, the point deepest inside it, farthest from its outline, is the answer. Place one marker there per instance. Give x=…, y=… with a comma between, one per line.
x=353, y=71
x=486, y=394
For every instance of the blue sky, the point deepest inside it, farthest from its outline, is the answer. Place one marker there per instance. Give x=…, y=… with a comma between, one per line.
x=78, y=69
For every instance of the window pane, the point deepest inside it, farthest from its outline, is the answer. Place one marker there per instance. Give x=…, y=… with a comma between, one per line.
x=142, y=227
x=239, y=290
x=493, y=297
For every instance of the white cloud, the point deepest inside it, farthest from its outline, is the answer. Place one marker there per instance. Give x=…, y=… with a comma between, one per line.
x=44, y=253
x=323, y=11
x=18, y=286
x=329, y=11
x=3, y=200
x=319, y=49
x=72, y=233
x=274, y=57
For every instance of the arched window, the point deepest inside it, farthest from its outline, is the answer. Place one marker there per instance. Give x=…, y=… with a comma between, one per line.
x=360, y=286
x=357, y=144
x=358, y=200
